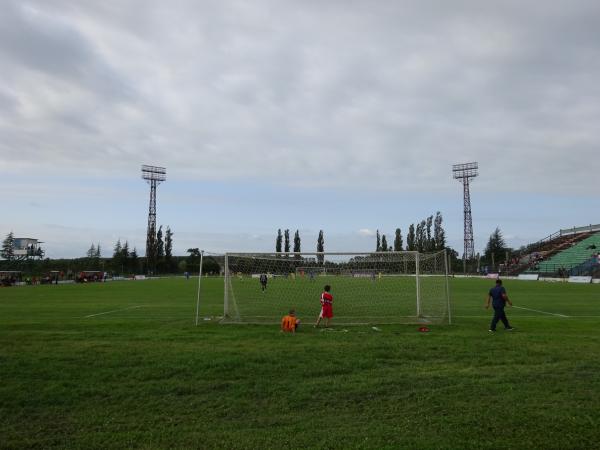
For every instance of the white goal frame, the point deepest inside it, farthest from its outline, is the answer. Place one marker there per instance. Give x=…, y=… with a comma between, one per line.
x=289, y=256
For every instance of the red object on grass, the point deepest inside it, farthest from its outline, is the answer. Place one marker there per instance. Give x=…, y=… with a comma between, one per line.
x=424, y=329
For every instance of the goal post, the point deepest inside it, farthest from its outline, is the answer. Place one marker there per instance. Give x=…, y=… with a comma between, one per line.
x=368, y=288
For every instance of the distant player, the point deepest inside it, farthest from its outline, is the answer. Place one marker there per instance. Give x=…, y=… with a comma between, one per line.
x=497, y=296
x=263, y=281
x=311, y=275
x=289, y=323
x=326, y=306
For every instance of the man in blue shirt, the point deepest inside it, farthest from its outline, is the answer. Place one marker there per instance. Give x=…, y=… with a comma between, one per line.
x=497, y=296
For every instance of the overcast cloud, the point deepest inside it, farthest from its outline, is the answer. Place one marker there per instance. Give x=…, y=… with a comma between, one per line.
x=378, y=96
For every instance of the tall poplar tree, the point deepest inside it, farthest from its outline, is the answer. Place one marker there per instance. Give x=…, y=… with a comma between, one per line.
x=297, y=248
x=398, y=241
x=418, y=238
x=286, y=235
x=439, y=235
x=429, y=243
x=384, y=246
x=378, y=247
x=320, y=247
x=410, y=239
x=421, y=236
x=160, y=244
x=169, y=265
x=278, y=241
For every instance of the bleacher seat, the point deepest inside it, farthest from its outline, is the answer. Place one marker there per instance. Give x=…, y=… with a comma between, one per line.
x=571, y=257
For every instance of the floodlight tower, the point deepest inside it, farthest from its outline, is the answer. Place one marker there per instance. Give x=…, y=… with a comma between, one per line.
x=154, y=176
x=464, y=173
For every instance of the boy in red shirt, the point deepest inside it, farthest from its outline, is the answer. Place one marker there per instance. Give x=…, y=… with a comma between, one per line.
x=326, y=306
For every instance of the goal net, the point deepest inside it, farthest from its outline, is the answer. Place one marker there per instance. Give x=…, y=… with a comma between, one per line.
x=368, y=288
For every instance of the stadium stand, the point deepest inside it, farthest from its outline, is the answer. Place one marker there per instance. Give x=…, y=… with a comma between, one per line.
x=544, y=249
x=528, y=259
x=579, y=258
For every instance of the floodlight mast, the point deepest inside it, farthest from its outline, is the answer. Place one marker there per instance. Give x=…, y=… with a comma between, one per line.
x=154, y=176
x=464, y=173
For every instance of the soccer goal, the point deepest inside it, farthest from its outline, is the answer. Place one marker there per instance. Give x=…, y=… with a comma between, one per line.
x=368, y=288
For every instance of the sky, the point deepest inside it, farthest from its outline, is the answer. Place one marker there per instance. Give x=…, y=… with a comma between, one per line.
x=344, y=116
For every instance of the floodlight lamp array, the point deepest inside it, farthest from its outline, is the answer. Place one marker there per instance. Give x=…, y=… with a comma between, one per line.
x=468, y=170
x=154, y=173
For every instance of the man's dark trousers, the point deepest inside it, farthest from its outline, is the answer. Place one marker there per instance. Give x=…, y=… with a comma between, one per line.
x=499, y=315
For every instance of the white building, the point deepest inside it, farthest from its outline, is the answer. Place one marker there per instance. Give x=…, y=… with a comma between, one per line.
x=24, y=247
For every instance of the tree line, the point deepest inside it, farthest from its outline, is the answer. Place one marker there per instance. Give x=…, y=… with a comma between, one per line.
x=285, y=241
x=124, y=259
x=420, y=238
x=282, y=243
x=427, y=236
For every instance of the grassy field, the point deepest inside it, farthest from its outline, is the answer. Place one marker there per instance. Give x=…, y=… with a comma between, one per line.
x=122, y=365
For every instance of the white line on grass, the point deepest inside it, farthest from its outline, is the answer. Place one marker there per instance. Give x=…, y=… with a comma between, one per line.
x=543, y=312
x=114, y=310
x=536, y=316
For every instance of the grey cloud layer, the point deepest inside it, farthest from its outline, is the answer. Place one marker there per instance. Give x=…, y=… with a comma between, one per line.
x=384, y=94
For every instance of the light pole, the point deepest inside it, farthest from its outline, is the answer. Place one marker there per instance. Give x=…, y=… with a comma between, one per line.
x=464, y=173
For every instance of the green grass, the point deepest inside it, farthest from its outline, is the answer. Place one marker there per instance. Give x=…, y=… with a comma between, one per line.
x=146, y=377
